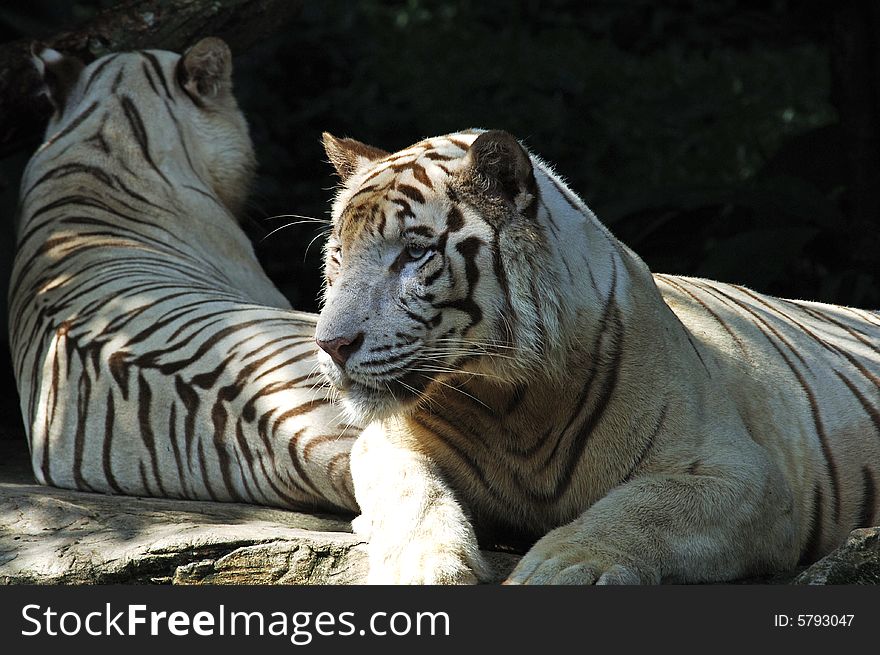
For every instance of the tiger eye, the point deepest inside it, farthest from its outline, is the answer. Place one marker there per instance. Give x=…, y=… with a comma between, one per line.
x=415, y=253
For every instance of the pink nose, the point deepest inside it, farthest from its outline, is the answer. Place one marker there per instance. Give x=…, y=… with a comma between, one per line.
x=341, y=348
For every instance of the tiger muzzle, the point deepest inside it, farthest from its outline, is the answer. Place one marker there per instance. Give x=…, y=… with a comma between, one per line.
x=341, y=348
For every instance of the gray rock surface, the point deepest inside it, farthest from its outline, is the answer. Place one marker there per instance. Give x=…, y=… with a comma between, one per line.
x=856, y=562
x=55, y=536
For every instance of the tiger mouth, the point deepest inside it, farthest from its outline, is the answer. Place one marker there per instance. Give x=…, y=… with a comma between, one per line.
x=385, y=398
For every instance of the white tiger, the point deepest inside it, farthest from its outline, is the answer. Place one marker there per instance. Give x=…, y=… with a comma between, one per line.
x=152, y=354
x=527, y=377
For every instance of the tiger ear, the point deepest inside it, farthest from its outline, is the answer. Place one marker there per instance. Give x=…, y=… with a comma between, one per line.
x=205, y=70
x=349, y=155
x=59, y=73
x=501, y=167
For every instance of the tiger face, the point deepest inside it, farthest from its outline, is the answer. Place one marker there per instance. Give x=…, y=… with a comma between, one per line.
x=418, y=283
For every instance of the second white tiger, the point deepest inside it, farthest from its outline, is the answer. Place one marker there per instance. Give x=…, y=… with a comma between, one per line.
x=153, y=356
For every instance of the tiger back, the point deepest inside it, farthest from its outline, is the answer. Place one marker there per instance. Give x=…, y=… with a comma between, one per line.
x=152, y=354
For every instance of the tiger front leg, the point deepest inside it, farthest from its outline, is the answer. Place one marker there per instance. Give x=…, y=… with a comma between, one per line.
x=417, y=532
x=672, y=528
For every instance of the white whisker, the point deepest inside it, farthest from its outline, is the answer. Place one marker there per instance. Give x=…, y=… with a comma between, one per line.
x=305, y=219
x=278, y=229
x=315, y=238
x=474, y=398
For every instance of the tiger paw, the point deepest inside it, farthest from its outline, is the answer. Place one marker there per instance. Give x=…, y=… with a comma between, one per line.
x=573, y=560
x=426, y=564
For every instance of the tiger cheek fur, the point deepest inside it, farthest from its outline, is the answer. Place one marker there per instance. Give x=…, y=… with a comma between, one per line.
x=636, y=428
x=404, y=300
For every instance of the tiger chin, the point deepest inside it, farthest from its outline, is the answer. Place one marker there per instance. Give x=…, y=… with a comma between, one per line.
x=526, y=374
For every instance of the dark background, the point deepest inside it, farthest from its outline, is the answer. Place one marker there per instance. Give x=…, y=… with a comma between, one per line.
x=736, y=140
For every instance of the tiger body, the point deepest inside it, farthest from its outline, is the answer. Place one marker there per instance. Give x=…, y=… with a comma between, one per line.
x=530, y=379
x=152, y=354
x=527, y=377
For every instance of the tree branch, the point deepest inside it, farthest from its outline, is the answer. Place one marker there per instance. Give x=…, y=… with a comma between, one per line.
x=132, y=25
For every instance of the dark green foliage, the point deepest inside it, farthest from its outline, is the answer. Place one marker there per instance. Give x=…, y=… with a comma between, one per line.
x=703, y=134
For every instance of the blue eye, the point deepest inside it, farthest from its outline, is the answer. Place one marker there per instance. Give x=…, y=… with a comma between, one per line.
x=415, y=253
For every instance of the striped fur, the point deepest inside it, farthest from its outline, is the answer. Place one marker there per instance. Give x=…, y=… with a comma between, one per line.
x=529, y=378
x=153, y=356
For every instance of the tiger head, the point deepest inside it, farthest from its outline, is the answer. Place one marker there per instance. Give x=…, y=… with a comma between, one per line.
x=189, y=96
x=436, y=266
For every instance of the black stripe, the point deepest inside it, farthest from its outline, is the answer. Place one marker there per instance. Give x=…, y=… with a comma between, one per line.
x=759, y=319
x=427, y=322
x=733, y=335
x=100, y=67
x=75, y=123
x=175, y=448
x=262, y=430
x=116, y=82
x=870, y=410
x=857, y=334
x=375, y=363
x=291, y=501
x=191, y=403
x=824, y=344
x=468, y=249
x=145, y=401
x=107, y=460
x=342, y=485
x=247, y=495
x=203, y=471
x=83, y=401
x=813, y=548
x=55, y=390
x=454, y=219
x=411, y=192
x=64, y=170
x=249, y=459
x=649, y=443
x=185, y=148
x=461, y=456
x=149, y=360
x=249, y=411
x=606, y=393
x=145, y=485
x=302, y=408
x=154, y=62
x=208, y=379
x=421, y=230
x=298, y=464
x=287, y=362
x=595, y=358
x=297, y=340
x=149, y=77
x=137, y=196
x=501, y=275
x=219, y=418
x=811, y=396
x=140, y=134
